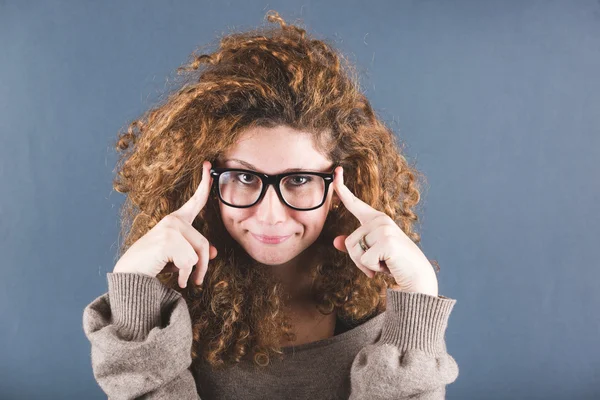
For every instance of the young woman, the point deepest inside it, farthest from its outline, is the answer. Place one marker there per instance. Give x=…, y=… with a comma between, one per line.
x=269, y=249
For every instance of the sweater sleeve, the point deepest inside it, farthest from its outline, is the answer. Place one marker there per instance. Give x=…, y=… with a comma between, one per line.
x=141, y=338
x=409, y=360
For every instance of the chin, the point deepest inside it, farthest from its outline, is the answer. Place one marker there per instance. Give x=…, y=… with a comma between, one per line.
x=270, y=255
x=271, y=261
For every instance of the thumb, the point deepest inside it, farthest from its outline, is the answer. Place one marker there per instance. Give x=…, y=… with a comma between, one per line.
x=212, y=252
x=339, y=244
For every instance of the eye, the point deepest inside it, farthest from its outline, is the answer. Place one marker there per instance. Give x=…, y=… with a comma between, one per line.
x=299, y=180
x=246, y=178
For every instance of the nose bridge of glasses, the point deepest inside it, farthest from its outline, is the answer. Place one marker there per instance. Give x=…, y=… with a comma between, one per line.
x=271, y=183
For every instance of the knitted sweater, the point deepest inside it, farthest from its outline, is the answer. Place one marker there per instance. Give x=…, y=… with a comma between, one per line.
x=141, y=337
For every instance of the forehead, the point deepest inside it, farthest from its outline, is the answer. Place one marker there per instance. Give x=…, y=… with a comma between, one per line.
x=275, y=150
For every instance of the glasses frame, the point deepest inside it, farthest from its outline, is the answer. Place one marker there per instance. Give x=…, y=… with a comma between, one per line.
x=274, y=180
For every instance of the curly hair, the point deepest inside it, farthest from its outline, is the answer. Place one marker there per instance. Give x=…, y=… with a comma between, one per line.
x=265, y=77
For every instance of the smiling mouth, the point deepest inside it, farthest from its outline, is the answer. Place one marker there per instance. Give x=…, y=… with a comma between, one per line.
x=270, y=239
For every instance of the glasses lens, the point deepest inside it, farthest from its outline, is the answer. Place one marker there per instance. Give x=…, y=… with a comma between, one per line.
x=299, y=190
x=303, y=190
x=239, y=188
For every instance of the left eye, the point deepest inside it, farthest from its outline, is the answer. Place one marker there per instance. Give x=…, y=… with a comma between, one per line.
x=299, y=180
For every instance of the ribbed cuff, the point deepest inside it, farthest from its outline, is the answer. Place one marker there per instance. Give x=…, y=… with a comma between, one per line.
x=136, y=302
x=415, y=320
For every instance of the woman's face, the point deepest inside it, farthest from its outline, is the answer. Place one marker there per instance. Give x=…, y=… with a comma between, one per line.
x=272, y=151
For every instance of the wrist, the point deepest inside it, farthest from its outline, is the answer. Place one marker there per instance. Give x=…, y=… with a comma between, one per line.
x=426, y=290
x=119, y=269
x=423, y=284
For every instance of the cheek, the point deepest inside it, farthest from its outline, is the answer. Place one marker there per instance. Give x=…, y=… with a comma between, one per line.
x=310, y=222
x=313, y=220
x=231, y=216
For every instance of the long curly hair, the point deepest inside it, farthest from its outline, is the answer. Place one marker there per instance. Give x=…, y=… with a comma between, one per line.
x=267, y=77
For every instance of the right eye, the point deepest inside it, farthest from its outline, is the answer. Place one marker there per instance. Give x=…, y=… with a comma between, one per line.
x=246, y=178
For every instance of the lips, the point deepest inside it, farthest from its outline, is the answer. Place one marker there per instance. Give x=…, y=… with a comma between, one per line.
x=270, y=239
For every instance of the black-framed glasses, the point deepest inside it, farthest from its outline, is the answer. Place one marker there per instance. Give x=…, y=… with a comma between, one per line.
x=243, y=188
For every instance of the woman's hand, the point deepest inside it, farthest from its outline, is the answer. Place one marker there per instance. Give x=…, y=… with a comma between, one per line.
x=174, y=240
x=390, y=250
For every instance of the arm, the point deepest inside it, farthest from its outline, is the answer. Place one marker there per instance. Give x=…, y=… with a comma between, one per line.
x=141, y=336
x=409, y=361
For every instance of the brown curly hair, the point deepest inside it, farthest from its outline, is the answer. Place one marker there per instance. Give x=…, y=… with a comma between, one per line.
x=265, y=77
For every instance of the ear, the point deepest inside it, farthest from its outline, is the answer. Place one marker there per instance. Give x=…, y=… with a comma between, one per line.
x=335, y=201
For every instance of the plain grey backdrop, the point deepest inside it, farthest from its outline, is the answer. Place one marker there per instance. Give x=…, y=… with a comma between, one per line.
x=498, y=102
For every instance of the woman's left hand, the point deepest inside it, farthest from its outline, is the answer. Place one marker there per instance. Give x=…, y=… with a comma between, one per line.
x=390, y=250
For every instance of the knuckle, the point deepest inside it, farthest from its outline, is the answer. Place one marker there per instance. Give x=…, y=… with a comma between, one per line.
x=347, y=241
x=170, y=221
x=388, y=230
x=389, y=239
x=184, y=268
x=204, y=241
x=168, y=235
x=381, y=215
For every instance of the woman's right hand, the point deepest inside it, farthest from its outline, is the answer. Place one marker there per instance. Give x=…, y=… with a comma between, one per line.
x=174, y=241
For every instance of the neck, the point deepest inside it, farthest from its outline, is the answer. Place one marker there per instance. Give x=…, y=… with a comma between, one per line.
x=293, y=275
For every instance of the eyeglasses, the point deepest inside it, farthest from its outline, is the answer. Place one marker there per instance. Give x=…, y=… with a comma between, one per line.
x=243, y=188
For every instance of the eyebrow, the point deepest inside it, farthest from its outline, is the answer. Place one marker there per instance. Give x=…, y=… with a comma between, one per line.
x=252, y=167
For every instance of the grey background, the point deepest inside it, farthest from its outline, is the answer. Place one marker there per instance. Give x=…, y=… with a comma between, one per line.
x=497, y=101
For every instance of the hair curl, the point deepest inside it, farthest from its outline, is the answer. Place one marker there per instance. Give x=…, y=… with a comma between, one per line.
x=265, y=77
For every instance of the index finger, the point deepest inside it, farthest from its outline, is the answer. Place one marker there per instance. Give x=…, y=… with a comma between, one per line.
x=194, y=205
x=361, y=210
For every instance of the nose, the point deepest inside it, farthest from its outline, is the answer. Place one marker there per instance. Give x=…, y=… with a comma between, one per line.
x=270, y=209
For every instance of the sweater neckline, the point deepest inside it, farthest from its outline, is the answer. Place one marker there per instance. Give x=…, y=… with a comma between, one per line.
x=357, y=330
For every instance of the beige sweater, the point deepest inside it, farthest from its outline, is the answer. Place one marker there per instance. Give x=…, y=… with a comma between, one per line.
x=141, y=338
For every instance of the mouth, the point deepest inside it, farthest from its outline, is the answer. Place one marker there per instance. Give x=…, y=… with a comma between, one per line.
x=270, y=239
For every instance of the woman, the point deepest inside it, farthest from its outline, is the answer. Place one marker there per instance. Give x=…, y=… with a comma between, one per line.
x=269, y=247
